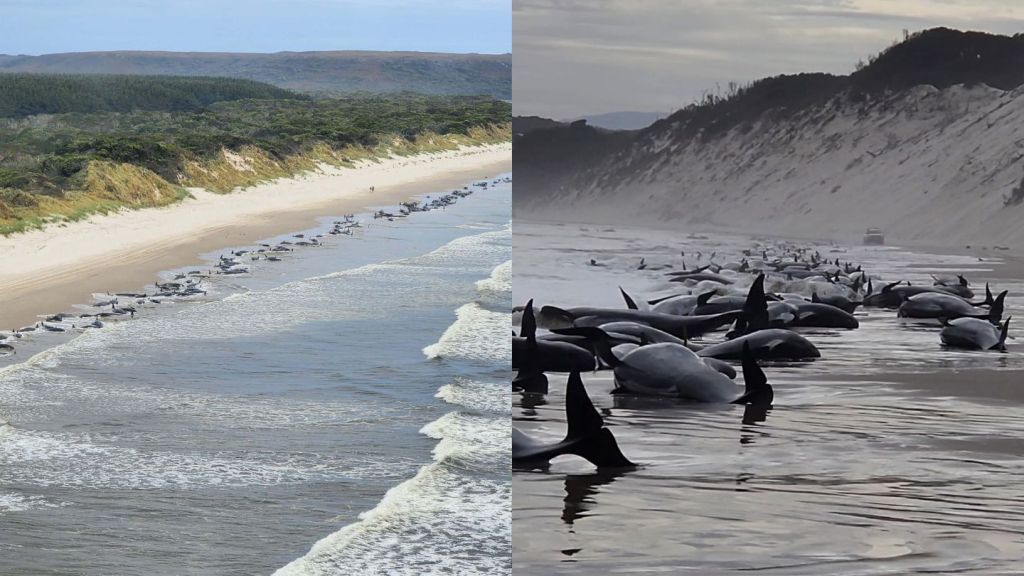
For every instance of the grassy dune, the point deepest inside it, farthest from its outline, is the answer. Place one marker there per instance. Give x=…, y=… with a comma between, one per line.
x=105, y=186
x=105, y=149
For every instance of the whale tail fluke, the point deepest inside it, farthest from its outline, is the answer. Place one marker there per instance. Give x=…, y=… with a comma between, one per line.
x=587, y=435
x=758, y=391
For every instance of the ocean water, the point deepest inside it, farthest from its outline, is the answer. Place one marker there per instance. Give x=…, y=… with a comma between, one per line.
x=343, y=411
x=889, y=455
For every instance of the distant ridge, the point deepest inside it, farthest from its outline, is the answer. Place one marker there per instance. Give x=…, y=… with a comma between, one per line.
x=312, y=72
x=526, y=124
x=23, y=94
x=624, y=120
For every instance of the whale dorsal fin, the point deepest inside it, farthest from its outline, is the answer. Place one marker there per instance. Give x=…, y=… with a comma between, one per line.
x=1001, y=345
x=995, y=313
x=815, y=298
x=581, y=416
x=757, y=389
x=703, y=298
x=630, y=303
x=529, y=325
x=755, y=309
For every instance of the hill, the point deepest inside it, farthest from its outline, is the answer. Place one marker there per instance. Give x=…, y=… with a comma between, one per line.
x=526, y=124
x=922, y=140
x=28, y=94
x=312, y=72
x=625, y=120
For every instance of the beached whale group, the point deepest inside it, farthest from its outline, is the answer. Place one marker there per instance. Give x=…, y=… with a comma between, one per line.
x=192, y=284
x=750, y=310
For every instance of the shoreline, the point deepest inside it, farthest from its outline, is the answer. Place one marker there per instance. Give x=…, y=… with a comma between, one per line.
x=47, y=271
x=1009, y=258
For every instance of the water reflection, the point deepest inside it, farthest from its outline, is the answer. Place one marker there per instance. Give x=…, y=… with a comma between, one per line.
x=580, y=491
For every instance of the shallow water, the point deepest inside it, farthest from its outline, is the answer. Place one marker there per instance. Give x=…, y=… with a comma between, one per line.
x=886, y=456
x=261, y=427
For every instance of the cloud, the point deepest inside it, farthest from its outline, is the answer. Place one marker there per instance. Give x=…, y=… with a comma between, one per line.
x=576, y=57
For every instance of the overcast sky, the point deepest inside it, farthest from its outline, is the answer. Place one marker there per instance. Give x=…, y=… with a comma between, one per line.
x=47, y=26
x=577, y=57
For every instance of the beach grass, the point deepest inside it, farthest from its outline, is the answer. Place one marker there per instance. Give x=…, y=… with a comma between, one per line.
x=105, y=186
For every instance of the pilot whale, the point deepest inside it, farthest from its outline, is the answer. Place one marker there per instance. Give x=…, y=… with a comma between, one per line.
x=669, y=369
x=975, y=334
x=530, y=354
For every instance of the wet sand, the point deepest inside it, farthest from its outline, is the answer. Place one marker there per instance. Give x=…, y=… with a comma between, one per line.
x=44, y=274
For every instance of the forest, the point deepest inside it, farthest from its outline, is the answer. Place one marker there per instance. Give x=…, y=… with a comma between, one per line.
x=28, y=94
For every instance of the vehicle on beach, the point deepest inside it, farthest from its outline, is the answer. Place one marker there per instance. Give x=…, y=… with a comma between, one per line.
x=874, y=236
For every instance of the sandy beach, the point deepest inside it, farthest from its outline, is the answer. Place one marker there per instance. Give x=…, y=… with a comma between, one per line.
x=46, y=271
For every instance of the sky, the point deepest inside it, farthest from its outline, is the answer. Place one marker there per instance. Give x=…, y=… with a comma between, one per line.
x=48, y=26
x=578, y=57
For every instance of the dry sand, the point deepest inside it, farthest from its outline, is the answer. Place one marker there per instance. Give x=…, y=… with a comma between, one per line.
x=47, y=271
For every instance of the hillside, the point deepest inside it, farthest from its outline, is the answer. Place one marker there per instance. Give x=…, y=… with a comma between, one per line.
x=919, y=142
x=27, y=94
x=312, y=72
x=553, y=155
x=66, y=166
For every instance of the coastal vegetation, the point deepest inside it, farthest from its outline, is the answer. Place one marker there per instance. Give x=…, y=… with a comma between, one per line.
x=28, y=94
x=139, y=141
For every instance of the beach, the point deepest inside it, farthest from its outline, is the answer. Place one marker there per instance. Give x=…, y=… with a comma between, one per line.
x=46, y=271
x=889, y=454
x=341, y=410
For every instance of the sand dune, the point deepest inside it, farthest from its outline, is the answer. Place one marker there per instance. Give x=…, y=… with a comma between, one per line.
x=46, y=271
x=928, y=166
